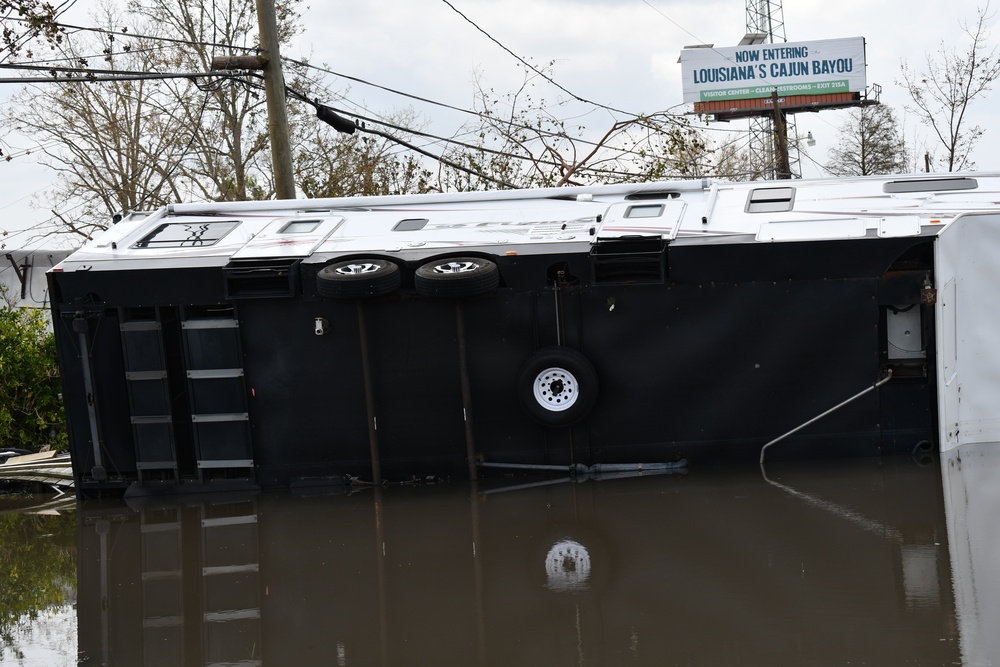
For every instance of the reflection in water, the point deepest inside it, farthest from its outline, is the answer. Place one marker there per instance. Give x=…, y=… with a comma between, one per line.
x=567, y=566
x=820, y=564
x=972, y=504
x=37, y=577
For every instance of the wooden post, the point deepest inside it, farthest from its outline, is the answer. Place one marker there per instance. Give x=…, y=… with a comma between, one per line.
x=238, y=62
x=21, y=272
x=781, y=167
x=274, y=89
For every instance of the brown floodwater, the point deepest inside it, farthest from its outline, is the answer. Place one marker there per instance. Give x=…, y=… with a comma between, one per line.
x=878, y=562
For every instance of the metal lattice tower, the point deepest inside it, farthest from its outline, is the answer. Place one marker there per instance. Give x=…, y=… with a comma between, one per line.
x=767, y=18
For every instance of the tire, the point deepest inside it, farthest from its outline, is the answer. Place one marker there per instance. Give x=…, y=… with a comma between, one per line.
x=456, y=277
x=557, y=386
x=358, y=278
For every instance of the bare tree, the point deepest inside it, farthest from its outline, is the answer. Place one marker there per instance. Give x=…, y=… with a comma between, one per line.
x=942, y=92
x=869, y=142
x=24, y=23
x=28, y=21
x=229, y=154
x=733, y=161
x=519, y=141
x=121, y=143
x=114, y=145
x=329, y=164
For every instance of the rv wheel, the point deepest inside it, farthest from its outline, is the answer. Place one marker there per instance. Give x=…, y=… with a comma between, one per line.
x=358, y=278
x=557, y=386
x=455, y=277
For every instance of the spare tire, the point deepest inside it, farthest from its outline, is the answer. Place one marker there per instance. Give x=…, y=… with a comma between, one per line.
x=557, y=386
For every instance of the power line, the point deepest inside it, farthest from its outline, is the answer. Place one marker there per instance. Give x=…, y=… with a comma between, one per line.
x=688, y=32
x=381, y=87
x=127, y=77
x=347, y=126
x=821, y=166
x=481, y=116
x=445, y=105
x=301, y=63
x=386, y=135
x=118, y=75
x=214, y=44
x=421, y=133
x=535, y=69
x=710, y=48
x=170, y=40
x=484, y=149
x=52, y=62
x=349, y=77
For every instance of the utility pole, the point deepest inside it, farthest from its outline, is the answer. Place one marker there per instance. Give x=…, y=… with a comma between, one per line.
x=274, y=90
x=781, y=165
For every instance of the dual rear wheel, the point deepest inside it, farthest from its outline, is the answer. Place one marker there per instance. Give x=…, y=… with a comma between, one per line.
x=452, y=277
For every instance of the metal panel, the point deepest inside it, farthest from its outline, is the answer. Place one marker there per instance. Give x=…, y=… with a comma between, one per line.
x=148, y=390
x=812, y=230
x=282, y=238
x=968, y=330
x=217, y=392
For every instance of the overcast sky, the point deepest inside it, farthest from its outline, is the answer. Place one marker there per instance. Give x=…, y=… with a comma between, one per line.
x=619, y=53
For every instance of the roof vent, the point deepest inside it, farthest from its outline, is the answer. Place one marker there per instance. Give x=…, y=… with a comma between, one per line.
x=666, y=194
x=410, y=225
x=770, y=200
x=930, y=185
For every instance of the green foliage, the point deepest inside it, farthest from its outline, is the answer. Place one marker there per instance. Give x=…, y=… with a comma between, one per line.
x=31, y=413
x=38, y=561
x=870, y=142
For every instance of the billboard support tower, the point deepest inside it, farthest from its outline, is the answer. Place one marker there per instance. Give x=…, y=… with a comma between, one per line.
x=766, y=24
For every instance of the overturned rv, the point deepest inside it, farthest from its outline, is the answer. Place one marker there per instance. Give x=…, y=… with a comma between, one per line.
x=296, y=342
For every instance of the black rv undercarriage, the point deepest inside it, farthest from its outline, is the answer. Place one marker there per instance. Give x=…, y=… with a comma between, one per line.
x=278, y=373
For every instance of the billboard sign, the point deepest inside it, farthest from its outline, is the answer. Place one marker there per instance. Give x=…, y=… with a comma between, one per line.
x=793, y=68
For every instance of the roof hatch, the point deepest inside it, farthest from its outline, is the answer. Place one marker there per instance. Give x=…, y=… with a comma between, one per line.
x=770, y=200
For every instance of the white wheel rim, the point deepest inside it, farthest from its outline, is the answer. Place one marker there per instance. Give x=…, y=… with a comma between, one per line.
x=357, y=269
x=456, y=267
x=556, y=389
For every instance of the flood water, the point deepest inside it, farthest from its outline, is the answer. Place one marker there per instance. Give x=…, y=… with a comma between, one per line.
x=878, y=562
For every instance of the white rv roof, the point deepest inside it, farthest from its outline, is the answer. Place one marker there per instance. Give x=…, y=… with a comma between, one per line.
x=760, y=211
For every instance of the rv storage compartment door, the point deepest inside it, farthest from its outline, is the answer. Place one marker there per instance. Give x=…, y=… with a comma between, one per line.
x=262, y=278
x=629, y=260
